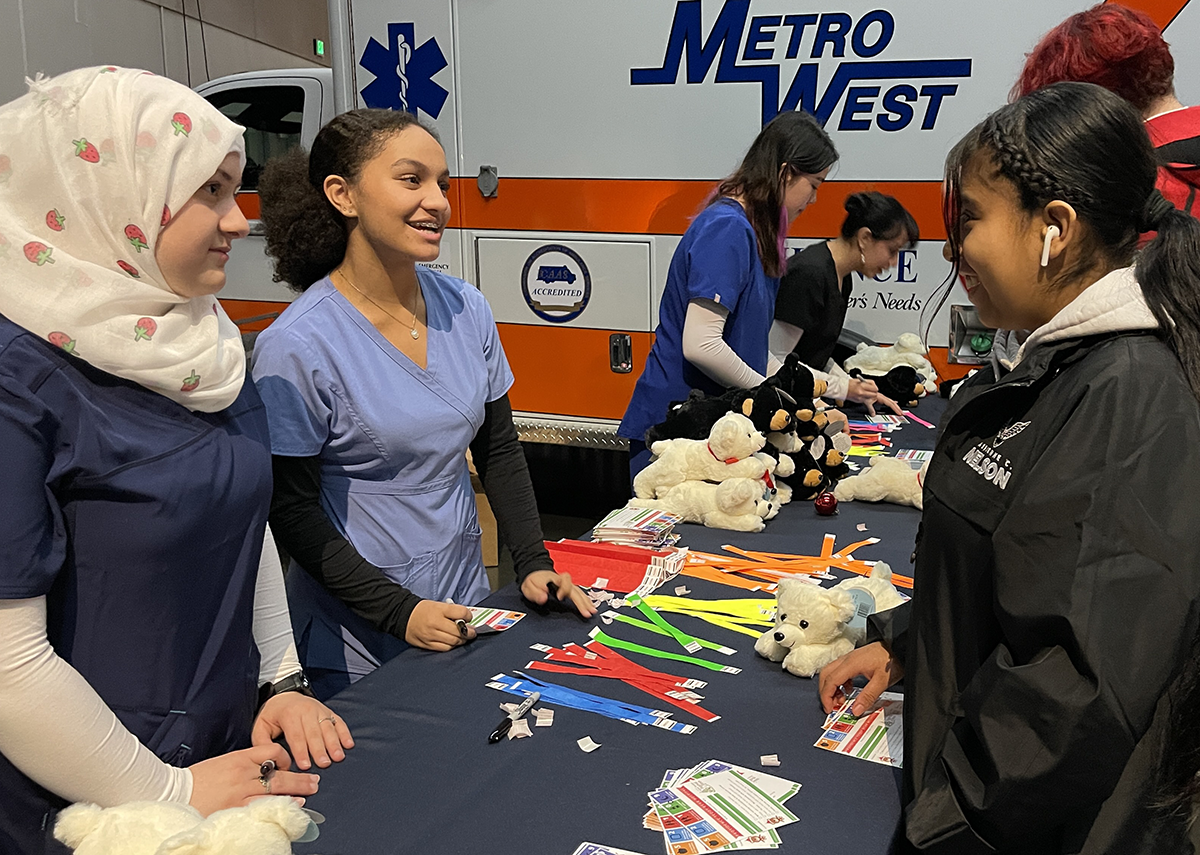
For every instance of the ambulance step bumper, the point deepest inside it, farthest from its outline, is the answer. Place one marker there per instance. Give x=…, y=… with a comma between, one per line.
x=564, y=430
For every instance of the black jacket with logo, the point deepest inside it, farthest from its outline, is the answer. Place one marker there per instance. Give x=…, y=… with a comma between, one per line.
x=1057, y=595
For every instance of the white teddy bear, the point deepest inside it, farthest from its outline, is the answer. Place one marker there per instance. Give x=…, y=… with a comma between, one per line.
x=908, y=350
x=885, y=480
x=815, y=625
x=777, y=492
x=736, y=503
x=727, y=453
x=266, y=826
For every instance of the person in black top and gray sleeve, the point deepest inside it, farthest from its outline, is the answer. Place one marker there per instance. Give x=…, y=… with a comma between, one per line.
x=815, y=292
x=1050, y=652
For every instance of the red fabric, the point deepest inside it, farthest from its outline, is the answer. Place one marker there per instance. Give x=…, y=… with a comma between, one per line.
x=1176, y=184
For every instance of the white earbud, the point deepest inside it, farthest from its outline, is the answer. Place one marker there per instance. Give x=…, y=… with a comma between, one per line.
x=1051, y=234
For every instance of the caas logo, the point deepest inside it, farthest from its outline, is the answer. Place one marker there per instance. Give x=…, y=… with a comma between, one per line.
x=404, y=73
x=556, y=283
x=895, y=92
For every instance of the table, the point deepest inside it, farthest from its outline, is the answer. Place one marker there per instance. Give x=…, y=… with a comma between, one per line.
x=422, y=778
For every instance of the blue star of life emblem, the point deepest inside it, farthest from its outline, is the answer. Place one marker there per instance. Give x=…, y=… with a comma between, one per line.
x=404, y=73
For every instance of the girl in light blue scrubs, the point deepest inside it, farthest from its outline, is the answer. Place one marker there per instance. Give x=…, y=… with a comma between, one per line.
x=377, y=380
x=715, y=315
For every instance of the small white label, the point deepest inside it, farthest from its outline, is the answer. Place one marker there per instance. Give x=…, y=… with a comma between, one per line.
x=864, y=605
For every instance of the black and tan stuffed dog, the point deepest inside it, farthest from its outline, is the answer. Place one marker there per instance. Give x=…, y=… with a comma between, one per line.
x=902, y=384
x=783, y=399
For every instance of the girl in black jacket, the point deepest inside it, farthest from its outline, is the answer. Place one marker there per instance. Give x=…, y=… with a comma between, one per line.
x=1058, y=575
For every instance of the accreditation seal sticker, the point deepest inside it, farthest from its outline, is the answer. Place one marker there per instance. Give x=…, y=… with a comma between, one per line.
x=556, y=283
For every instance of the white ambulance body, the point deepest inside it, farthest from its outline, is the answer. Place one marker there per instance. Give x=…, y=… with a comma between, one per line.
x=608, y=122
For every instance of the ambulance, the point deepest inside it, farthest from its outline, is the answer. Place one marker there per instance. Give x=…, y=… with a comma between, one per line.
x=583, y=136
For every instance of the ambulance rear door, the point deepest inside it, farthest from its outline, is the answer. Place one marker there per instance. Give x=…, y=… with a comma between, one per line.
x=280, y=110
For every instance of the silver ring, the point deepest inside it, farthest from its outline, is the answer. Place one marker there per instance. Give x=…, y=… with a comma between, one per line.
x=265, y=781
x=331, y=717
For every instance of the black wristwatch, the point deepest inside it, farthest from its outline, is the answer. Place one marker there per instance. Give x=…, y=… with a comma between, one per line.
x=297, y=682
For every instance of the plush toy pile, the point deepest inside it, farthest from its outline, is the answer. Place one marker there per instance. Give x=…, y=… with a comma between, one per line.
x=815, y=625
x=266, y=826
x=711, y=453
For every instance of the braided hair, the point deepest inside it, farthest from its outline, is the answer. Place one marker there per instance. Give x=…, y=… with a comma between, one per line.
x=1081, y=144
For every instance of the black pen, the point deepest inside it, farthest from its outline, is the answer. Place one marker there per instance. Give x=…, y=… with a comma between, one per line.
x=503, y=727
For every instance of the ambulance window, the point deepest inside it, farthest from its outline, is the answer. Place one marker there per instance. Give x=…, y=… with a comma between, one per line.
x=272, y=117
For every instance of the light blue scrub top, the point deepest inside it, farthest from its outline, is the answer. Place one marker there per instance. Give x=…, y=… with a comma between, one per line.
x=391, y=436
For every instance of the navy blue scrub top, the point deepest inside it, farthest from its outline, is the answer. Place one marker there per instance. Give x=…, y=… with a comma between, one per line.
x=717, y=260
x=142, y=524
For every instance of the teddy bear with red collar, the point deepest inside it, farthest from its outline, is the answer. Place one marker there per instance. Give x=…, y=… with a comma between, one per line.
x=728, y=452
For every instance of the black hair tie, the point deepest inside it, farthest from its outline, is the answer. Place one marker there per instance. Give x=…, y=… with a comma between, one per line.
x=1154, y=211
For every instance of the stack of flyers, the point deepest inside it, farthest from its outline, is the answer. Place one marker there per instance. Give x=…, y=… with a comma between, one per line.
x=877, y=736
x=638, y=527
x=597, y=849
x=492, y=620
x=718, y=806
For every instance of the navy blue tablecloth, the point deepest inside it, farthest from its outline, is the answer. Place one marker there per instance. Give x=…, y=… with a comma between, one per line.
x=423, y=779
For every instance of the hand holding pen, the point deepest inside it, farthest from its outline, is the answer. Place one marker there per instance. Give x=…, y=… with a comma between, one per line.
x=434, y=625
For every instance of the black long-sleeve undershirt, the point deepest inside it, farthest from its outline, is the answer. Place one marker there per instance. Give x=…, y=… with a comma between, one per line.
x=308, y=535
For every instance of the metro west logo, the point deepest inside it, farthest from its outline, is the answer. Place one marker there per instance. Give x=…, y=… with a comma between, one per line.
x=919, y=90
x=404, y=73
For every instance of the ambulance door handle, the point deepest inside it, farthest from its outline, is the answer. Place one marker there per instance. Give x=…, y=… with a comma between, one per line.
x=620, y=353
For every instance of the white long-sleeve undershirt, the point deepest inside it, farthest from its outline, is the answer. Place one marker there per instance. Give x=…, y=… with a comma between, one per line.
x=705, y=347
x=60, y=733
x=784, y=338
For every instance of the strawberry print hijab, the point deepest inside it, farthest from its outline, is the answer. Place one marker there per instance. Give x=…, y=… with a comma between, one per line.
x=92, y=163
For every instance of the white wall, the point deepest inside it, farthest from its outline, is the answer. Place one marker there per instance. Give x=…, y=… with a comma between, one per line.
x=53, y=36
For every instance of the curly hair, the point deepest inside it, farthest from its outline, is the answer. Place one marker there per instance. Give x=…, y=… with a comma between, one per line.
x=795, y=142
x=306, y=235
x=1110, y=45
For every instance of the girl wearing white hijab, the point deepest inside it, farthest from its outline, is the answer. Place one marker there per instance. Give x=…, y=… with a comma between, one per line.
x=145, y=630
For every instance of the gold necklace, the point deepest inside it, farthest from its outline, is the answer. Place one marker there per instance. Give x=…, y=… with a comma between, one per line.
x=412, y=328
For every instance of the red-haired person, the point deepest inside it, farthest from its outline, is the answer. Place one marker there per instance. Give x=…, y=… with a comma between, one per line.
x=1123, y=50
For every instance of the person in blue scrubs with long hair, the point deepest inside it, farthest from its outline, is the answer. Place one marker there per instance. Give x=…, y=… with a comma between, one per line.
x=377, y=380
x=714, y=319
